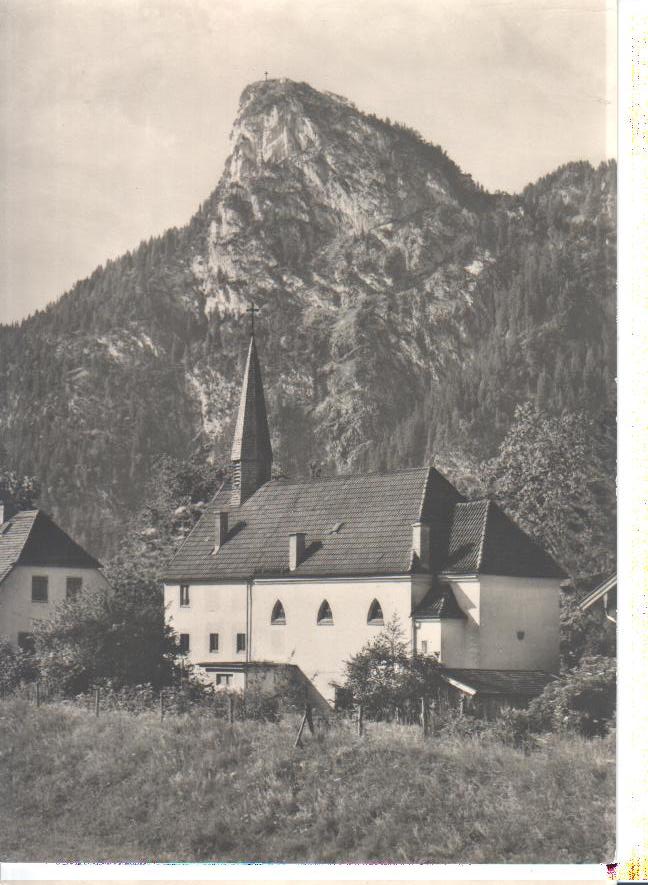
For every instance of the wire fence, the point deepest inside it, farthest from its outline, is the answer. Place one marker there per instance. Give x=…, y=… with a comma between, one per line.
x=230, y=707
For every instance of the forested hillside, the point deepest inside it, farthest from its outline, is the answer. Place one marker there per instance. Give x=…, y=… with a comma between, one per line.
x=406, y=315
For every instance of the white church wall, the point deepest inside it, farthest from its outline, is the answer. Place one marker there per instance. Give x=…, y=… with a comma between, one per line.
x=453, y=642
x=462, y=645
x=428, y=637
x=212, y=608
x=520, y=623
x=320, y=651
x=18, y=614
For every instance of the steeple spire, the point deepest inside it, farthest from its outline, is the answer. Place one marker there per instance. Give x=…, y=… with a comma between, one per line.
x=251, y=449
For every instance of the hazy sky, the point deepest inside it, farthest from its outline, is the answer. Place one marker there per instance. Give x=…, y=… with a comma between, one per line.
x=115, y=114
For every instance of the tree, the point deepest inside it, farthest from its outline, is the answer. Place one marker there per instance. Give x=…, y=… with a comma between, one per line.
x=114, y=635
x=16, y=492
x=555, y=475
x=384, y=677
x=584, y=634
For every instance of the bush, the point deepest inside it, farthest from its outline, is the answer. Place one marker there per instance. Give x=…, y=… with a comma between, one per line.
x=115, y=636
x=582, y=701
x=16, y=666
x=387, y=680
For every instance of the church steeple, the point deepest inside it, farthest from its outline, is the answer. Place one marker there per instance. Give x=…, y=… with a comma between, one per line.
x=251, y=449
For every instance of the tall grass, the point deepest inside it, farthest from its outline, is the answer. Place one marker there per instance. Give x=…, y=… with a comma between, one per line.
x=125, y=787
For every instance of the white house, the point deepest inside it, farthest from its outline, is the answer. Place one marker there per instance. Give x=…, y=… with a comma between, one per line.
x=40, y=566
x=305, y=572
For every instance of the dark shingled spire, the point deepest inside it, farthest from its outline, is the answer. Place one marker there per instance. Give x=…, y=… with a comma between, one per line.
x=251, y=449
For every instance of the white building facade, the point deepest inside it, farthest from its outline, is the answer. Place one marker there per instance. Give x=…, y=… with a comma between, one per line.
x=40, y=567
x=281, y=571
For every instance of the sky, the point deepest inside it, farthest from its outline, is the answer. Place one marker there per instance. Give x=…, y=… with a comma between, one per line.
x=115, y=114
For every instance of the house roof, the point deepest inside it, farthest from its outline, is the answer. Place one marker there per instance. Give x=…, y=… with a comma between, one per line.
x=524, y=683
x=598, y=592
x=31, y=537
x=357, y=525
x=354, y=525
x=437, y=604
x=483, y=540
x=251, y=434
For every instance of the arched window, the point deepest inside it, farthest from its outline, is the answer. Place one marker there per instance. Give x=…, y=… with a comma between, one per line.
x=278, y=615
x=325, y=615
x=375, y=615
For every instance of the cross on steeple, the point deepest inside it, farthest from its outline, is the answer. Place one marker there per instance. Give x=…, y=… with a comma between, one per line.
x=252, y=309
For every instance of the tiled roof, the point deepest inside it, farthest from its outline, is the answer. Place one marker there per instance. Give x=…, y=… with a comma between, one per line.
x=438, y=603
x=354, y=525
x=251, y=435
x=31, y=537
x=358, y=525
x=524, y=683
x=483, y=540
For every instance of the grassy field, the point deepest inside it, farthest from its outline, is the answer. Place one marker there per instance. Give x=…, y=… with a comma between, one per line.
x=125, y=787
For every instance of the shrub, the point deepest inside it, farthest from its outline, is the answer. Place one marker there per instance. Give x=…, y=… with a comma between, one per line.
x=583, y=700
x=385, y=678
x=16, y=666
x=115, y=635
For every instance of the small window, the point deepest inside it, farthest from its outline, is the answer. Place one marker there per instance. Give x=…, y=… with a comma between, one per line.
x=375, y=616
x=213, y=641
x=240, y=641
x=39, y=588
x=424, y=647
x=26, y=643
x=184, y=642
x=184, y=594
x=224, y=678
x=278, y=615
x=325, y=615
x=73, y=587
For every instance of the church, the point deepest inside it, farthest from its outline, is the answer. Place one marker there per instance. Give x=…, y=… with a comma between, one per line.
x=305, y=572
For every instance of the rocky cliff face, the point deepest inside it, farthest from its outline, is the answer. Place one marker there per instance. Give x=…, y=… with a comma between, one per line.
x=405, y=312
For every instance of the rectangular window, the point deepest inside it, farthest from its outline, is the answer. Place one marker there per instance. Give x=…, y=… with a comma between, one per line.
x=73, y=587
x=184, y=642
x=240, y=641
x=184, y=594
x=213, y=641
x=223, y=679
x=424, y=647
x=26, y=643
x=39, y=588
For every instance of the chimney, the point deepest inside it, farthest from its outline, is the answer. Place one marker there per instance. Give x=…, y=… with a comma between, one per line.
x=421, y=543
x=221, y=529
x=296, y=549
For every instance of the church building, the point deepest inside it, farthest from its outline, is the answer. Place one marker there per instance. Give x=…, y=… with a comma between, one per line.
x=305, y=572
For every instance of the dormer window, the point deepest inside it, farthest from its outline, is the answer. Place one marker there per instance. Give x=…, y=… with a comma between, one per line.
x=375, y=616
x=325, y=615
x=278, y=615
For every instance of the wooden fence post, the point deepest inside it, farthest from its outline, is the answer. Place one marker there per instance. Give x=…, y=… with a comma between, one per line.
x=302, y=726
x=38, y=694
x=97, y=692
x=360, y=720
x=308, y=712
x=161, y=705
x=424, y=717
x=230, y=708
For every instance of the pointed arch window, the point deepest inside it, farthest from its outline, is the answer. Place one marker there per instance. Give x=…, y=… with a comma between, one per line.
x=325, y=615
x=278, y=615
x=375, y=616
